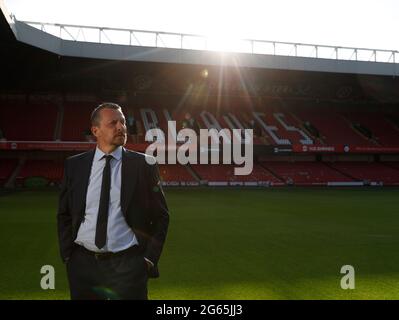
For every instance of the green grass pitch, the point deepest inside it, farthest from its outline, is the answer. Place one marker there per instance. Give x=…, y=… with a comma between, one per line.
x=282, y=243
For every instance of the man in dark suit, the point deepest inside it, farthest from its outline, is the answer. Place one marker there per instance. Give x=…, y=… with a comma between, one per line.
x=112, y=215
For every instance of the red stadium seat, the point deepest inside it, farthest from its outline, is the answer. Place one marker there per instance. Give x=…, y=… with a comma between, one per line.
x=305, y=172
x=50, y=169
x=369, y=171
x=28, y=122
x=175, y=173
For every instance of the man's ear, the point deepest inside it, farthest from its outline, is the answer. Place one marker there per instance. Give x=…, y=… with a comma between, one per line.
x=94, y=131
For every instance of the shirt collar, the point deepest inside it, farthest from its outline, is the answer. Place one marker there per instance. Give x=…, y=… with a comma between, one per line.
x=117, y=153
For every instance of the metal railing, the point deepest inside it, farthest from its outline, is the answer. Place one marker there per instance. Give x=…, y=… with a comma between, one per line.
x=161, y=39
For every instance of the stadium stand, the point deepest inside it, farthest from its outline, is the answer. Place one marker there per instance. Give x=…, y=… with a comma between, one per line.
x=225, y=173
x=76, y=121
x=305, y=172
x=6, y=169
x=28, y=122
x=369, y=172
x=175, y=173
x=278, y=118
x=51, y=170
x=333, y=127
x=382, y=130
x=49, y=98
x=394, y=165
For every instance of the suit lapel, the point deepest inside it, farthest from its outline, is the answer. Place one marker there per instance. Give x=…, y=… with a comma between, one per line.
x=129, y=179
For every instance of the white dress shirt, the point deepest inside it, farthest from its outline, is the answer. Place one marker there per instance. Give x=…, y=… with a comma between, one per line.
x=119, y=235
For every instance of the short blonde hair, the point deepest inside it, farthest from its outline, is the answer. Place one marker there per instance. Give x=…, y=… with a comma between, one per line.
x=96, y=116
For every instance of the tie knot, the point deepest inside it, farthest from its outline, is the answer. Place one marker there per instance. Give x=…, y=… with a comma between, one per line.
x=108, y=158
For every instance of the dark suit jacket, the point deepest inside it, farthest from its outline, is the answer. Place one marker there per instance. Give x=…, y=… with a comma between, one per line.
x=142, y=202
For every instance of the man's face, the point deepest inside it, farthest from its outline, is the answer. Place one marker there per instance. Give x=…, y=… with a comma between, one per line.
x=111, y=130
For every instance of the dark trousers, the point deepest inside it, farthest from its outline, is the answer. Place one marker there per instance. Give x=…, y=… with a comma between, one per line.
x=91, y=277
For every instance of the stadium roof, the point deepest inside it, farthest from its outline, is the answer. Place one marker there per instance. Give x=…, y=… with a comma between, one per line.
x=151, y=46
